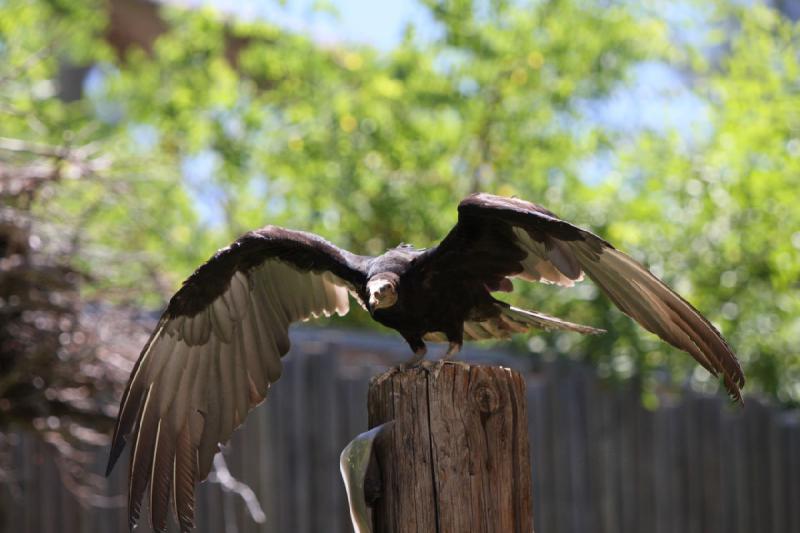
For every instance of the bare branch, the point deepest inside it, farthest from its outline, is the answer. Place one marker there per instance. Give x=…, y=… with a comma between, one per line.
x=18, y=145
x=223, y=476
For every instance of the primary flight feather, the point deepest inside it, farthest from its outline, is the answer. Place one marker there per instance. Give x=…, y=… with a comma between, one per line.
x=218, y=346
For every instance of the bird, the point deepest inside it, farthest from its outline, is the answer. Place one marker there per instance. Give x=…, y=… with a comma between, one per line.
x=217, y=347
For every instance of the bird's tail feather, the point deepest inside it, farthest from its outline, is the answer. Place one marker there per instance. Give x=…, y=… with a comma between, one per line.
x=527, y=318
x=512, y=320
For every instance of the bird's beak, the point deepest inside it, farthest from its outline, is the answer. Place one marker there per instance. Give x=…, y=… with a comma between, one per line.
x=381, y=295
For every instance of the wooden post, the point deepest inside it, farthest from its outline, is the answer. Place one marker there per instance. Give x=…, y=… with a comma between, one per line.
x=456, y=459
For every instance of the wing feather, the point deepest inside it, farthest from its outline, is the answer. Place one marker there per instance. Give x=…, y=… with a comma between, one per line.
x=319, y=295
x=212, y=414
x=641, y=295
x=197, y=330
x=161, y=474
x=274, y=330
x=215, y=353
x=267, y=279
x=240, y=295
x=510, y=320
x=184, y=390
x=254, y=351
x=134, y=396
x=273, y=337
x=332, y=295
x=341, y=294
x=227, y=390
x=549, y=261
x=221, y=320
x=491, y=229
x=171, y=376
x=141, y=457
x=183, y=479
x=241, y=383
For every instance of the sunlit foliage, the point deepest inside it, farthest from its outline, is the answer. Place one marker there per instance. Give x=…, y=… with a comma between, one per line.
x=227, y=125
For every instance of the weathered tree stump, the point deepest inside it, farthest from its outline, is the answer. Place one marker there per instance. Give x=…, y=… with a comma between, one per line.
x=456, y=459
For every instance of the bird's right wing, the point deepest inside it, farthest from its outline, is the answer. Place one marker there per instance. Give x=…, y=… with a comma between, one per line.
x=497, y=238
x=214, y=354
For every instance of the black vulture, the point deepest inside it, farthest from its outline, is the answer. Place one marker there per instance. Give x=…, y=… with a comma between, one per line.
x=218, y=346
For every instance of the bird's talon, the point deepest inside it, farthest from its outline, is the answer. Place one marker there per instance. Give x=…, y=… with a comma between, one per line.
x=437, y=367
x=452, y=351
x=419, y=355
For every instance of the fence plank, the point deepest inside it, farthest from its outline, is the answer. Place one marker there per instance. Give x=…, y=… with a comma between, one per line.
x=546, y=465
x=600, y=462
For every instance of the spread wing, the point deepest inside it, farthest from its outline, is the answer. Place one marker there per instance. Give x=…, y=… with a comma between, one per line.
x=497, y=238
x=214, y=354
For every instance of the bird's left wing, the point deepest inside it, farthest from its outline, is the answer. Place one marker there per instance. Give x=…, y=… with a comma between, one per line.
x=497, y=238
x=214, y=354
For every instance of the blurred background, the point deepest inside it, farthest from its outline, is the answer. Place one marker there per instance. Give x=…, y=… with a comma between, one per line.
x=137, y=137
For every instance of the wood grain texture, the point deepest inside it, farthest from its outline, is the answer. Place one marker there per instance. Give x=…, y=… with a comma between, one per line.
x=758, y=464
x=457, y=458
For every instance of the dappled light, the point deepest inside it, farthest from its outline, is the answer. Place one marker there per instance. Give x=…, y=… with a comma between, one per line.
x=134, y=144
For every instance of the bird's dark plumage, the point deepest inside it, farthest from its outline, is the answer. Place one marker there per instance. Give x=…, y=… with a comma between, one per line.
x=218, y=345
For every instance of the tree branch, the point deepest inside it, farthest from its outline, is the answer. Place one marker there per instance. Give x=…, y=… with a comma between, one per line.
x=223, y=476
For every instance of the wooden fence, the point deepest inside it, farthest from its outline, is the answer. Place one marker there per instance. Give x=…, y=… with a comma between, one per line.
x=601, y=462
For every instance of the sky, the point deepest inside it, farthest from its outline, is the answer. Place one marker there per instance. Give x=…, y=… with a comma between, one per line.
x=379, y=23
x=658, y=98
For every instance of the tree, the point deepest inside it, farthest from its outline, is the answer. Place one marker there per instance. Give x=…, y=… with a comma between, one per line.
x=220, y=126
x=719, y=215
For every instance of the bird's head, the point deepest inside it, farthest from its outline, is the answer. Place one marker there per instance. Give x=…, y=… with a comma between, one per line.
x=382, y=292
